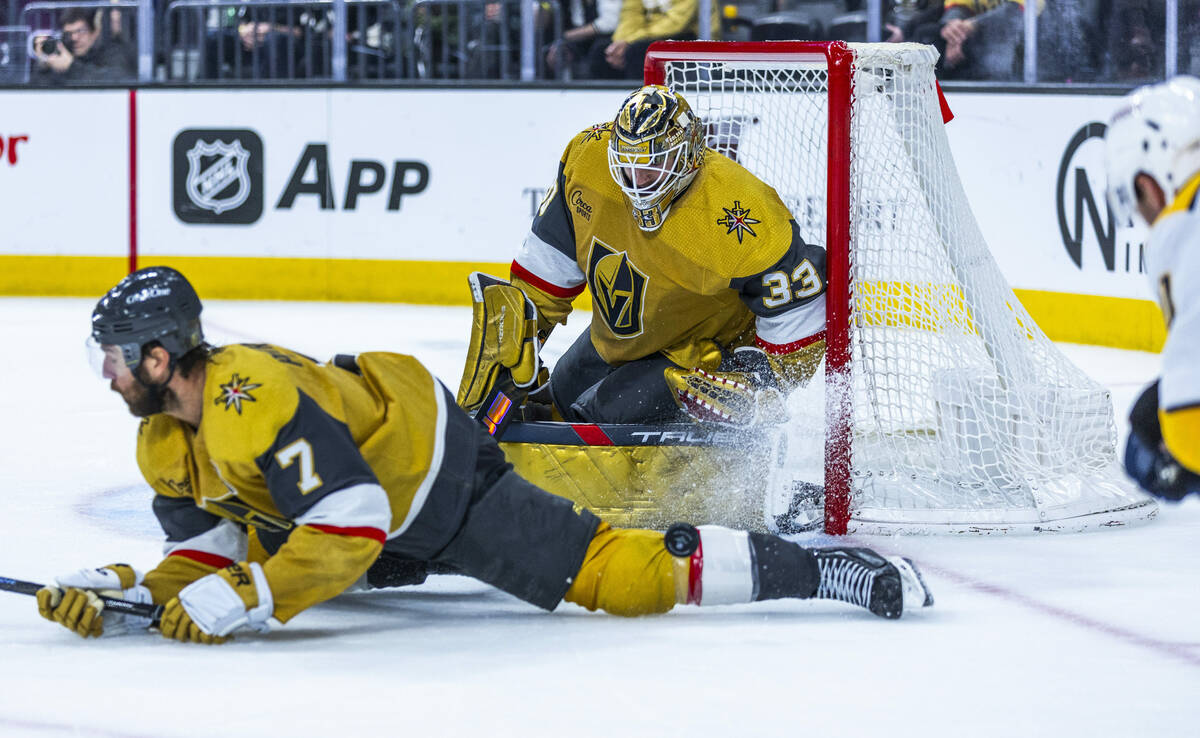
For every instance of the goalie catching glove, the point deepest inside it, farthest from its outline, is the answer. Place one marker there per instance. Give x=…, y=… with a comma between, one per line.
x=214, y=606
x=75, y=603
x=746, y=395
x=504, y=338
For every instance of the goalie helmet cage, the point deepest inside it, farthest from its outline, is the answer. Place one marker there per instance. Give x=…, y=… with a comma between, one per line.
x=947, y=408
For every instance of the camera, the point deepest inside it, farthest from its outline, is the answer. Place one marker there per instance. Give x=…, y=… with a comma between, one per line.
x=45, y=43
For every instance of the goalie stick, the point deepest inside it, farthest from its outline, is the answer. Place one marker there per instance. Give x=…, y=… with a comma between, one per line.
x=141, y=609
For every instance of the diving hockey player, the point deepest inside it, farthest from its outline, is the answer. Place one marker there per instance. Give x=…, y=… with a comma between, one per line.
x=342, y=462
x=1153, y=160
x=704, y=295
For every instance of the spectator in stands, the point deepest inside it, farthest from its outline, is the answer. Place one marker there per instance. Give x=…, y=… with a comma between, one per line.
x=80, y=55
x=1068, y=45
x=592, y=22
x=978, y=39
x=1135, y=40
x=494, y=51
x=906, y=16
x=1189, y=37
x=261, y=43
x=370, y=42
x=435, y=39
x=641, y=23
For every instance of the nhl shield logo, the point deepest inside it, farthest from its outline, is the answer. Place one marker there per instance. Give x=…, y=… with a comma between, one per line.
x=218, y=176
x=618, y=289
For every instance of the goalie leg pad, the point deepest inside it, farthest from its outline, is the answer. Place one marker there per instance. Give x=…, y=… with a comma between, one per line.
x=503, y=336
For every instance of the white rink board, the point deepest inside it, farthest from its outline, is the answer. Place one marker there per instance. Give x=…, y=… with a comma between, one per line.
x=66, y=191
x=488, y=154
x=1009, y=149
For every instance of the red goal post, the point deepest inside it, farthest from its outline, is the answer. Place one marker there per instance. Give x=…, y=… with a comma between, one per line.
x=837, y=59
x=946, y=408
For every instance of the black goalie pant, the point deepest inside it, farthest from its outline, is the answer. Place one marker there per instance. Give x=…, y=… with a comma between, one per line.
x=586, y=389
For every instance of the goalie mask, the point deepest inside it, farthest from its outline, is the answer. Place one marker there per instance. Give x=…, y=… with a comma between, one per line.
x=1156, y=131
x=655, y=152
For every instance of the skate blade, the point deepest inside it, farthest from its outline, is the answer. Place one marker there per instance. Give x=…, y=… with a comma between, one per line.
x=916, y=591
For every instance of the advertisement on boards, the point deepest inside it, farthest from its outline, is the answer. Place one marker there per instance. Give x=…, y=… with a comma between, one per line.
x=1033, y=170
x=64, y=173
x=455, y=175
x=442, y=175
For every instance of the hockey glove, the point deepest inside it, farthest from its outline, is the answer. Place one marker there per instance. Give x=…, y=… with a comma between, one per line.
x=177, y=624
x=214, y=606
x=75, y=603
x=754, y=363
x=1147, y=459
x=725, y=397
x=503, y=337
x=790, y=367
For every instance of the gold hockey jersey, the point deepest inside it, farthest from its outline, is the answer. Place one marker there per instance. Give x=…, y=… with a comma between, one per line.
x=337, y=461
x=727, y=267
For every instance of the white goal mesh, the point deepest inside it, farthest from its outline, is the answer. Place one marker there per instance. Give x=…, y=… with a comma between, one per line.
x=962, y=415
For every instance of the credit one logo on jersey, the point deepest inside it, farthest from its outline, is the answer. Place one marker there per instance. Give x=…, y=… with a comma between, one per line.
x=1083, y=213
x=218, y=175
x=618, y=289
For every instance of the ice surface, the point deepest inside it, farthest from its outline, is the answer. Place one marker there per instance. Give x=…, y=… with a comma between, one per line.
x=1091, y=634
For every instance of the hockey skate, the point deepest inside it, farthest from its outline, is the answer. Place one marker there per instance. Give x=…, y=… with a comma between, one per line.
x=887, y=586
x=806, y=508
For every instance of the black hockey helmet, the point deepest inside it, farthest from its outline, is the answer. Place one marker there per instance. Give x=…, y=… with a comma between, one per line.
x=152, y=304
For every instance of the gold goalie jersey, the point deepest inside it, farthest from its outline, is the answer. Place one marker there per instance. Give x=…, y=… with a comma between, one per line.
x=1173, y=266
x=340, y=461
x=728, y=266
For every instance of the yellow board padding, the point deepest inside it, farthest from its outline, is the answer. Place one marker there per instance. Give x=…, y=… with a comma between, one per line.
x=237, y=278
x=921, y=305
x=351, y=280
x=1102, y=321
x=60, y=276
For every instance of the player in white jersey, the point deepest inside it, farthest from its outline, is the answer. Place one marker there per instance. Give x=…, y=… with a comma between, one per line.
x=1153, y=152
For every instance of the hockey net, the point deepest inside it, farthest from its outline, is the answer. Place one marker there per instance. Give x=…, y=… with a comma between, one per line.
x=947, y=409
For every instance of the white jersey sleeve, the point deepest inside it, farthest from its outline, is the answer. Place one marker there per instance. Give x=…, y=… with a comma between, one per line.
x=1173, y=261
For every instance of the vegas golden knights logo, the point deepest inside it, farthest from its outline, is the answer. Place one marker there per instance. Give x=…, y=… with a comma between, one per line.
x=618, y=289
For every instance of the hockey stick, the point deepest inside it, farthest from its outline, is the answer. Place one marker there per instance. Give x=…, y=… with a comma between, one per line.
x=141, y=609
